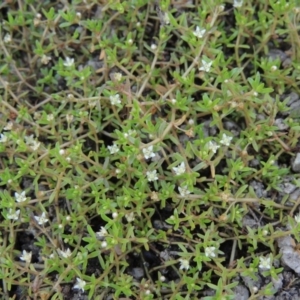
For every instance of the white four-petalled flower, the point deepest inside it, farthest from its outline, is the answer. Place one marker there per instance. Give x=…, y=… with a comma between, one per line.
x=148, y=152
x=206, y=65
x=226, y=139
x=184, y=264
x=26, y=256
x=20, y=197
x=115, y=99
x=199, y=32
x=213, y=146
x=184, y=191
x=80, y=284
x=265, y=263
x=152, y=175
x=69, y=62
x=179, y=169
x=113, y=149
x=101, y=233
x=66, y=253
x=13, y=215
x=42, y=219
x=210, y=251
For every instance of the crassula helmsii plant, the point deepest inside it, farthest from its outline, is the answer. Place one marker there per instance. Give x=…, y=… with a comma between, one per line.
x=133, y=136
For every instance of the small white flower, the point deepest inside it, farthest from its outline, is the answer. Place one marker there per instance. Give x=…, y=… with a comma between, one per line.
x=148, y=152
x=13, y=215
x=113, y=149
x=147, y=292
x=104, y=244
x=130, y=41
x=35, y=145
x=69, y=118
x=129, y=133
x=50, y=117
x=7, y=38
x=26, y=256
x=238, y=3
x=102, y=232
x=45, y=59
x=118, y=76
x=153, y=47
x=20, y=197
x=166, y=19
x=173, y=101
x=66, y=253
x=42, y=219
x=213, y=146
x=80, y=284
x=210, y=251
x=3, y=138
x=265, y=263
x=199, y=32
x=29, y=139
x=297, y=218
x=184, y=264
x=152, y=175
x=206, y=65
x=179, y=169
x=115, y=215
x=9, y=126
x=61, y=152
x=184, y=191
x=273, y=68
x=130, y=217
x=69, y=62
x=226, y=139
x=162, y=278
x=78, y=15
x=115, y=99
